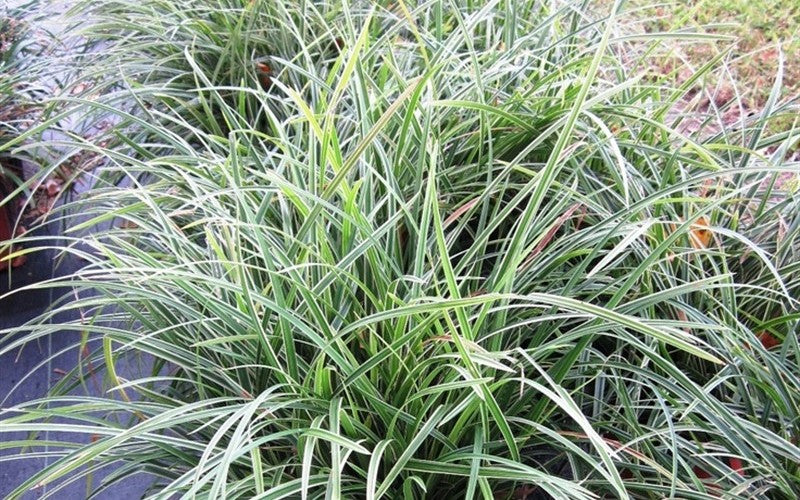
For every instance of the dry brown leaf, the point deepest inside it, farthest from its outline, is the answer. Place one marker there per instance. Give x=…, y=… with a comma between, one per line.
x=700, y=234
x=768, y=340
x=459, y=211
x=52, y=187
x=550, y=233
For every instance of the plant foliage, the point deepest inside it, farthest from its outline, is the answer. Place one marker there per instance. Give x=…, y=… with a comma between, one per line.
x=419, y=249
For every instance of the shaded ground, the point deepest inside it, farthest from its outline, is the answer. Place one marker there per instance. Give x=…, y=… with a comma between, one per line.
x=26, y=373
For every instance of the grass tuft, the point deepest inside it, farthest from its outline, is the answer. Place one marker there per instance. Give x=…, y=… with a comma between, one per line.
x=418, y=250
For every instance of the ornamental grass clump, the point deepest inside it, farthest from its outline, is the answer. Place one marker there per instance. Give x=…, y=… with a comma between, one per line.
x=19, y=68
x=430, y=249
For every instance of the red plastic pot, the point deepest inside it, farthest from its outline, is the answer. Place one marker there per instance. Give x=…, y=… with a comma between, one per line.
x=6, y=225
